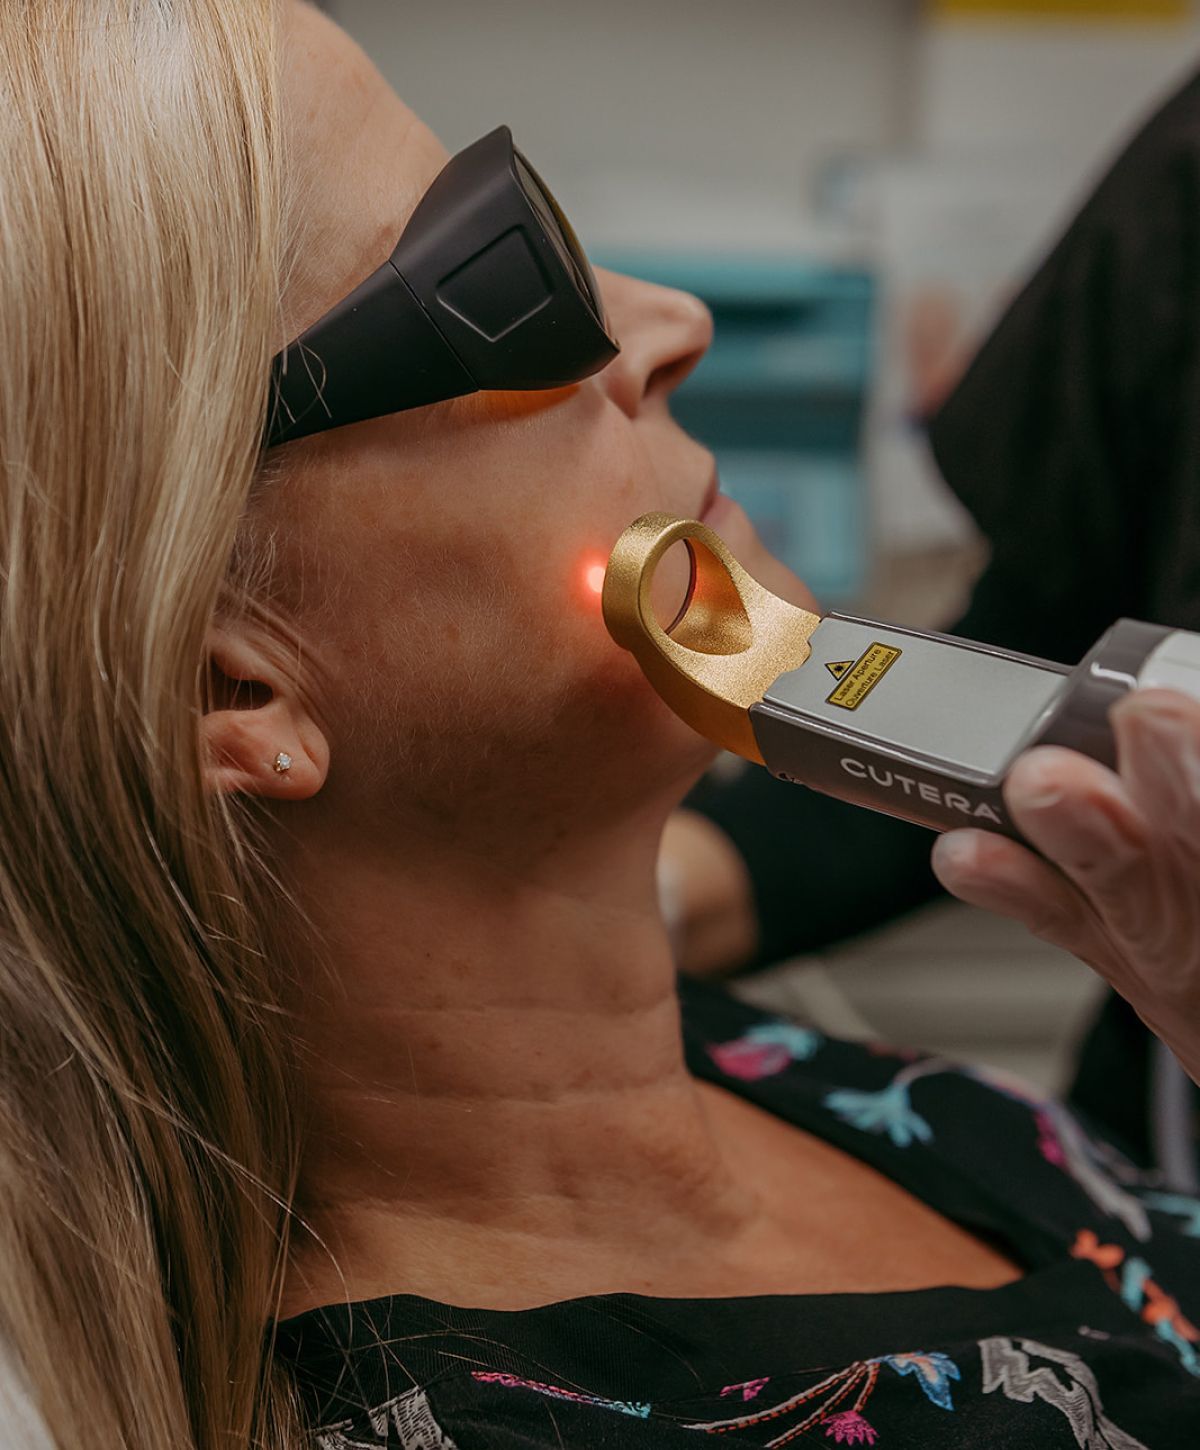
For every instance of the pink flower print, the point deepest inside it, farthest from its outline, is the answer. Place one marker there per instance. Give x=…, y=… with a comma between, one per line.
x=749, y=1060
x=750, y=1389
x=849, y=1428
x=764, y=1050
x=1049, y=1145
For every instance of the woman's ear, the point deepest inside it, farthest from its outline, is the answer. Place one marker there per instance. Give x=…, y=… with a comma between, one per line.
x=257, y=736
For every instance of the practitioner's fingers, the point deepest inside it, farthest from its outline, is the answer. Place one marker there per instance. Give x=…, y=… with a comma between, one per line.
x=1000, y=876
x=1116, y=880
x=1158, y=746
x=1158, y=738
x=1082, y=819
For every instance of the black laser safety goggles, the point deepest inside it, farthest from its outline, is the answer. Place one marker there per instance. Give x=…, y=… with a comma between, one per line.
x=488, y=288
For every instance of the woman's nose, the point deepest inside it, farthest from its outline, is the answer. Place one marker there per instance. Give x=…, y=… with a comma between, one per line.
x=663, y=335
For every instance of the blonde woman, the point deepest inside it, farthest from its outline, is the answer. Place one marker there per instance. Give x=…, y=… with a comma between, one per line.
x=347, y=1097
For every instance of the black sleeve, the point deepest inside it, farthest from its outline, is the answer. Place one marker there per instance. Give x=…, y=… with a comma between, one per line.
x=1074, y=438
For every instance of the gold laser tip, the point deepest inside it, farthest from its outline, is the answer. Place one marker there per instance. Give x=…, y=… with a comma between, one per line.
x=732, y=640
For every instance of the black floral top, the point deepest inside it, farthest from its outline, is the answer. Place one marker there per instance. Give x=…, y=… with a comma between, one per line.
x=1094, y=1349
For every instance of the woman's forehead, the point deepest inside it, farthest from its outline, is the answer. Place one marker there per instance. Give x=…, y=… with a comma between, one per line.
x=359, y=160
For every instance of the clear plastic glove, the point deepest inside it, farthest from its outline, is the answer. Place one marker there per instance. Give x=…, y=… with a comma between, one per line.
x=1119, y=885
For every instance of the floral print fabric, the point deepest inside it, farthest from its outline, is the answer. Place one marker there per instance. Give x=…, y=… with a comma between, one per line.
x=1096, y=1347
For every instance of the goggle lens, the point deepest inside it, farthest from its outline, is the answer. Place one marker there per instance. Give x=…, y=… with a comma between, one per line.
x=561, y=233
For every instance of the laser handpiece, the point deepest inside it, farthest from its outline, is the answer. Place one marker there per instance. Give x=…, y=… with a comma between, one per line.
x=917, y=725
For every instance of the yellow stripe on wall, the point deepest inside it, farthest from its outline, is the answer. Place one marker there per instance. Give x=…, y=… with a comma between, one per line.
x=1149, y=10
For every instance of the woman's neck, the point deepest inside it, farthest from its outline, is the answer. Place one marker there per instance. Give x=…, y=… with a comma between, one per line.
x=495, y=1075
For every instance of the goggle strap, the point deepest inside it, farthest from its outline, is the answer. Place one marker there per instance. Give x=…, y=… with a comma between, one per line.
x=342, y=370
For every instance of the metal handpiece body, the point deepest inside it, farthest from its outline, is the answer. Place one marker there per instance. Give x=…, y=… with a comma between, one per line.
x=917, y=725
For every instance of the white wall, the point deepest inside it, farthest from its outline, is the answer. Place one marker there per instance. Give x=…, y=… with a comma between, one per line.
x=711, y=120
x=738, y=100
x=1072, y=87
x=1064, y=97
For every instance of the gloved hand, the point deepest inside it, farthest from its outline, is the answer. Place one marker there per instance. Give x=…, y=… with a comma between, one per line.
x=1119, y=885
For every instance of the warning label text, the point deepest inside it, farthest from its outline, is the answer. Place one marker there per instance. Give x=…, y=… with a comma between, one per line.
x=865, y=674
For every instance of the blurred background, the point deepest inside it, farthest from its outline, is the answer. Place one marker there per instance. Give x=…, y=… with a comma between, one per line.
x=856, y=187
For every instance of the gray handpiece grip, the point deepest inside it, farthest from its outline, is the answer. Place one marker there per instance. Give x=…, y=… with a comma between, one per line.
x=1131, y=656
x=926, y=726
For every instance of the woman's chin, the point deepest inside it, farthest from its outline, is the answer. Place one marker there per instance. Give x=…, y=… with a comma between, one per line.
x=728, y=519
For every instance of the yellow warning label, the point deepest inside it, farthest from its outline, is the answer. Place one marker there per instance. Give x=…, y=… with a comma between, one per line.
x=838, y=669
x=864, y=675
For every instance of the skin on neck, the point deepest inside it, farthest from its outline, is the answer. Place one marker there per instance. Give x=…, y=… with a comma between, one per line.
x=498, y=1093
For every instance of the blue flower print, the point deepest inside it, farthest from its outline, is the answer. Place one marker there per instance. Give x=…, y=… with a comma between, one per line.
x=933, y=1371
x=798, y=1042
x=889, y=1111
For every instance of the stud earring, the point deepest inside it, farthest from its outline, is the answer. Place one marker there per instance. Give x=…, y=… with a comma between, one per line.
x=283, y=763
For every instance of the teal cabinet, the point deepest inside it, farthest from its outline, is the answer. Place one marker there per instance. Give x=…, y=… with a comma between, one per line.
x=781, y=399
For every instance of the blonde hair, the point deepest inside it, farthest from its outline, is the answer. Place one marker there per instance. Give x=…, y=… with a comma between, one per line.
x=147, y=1139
